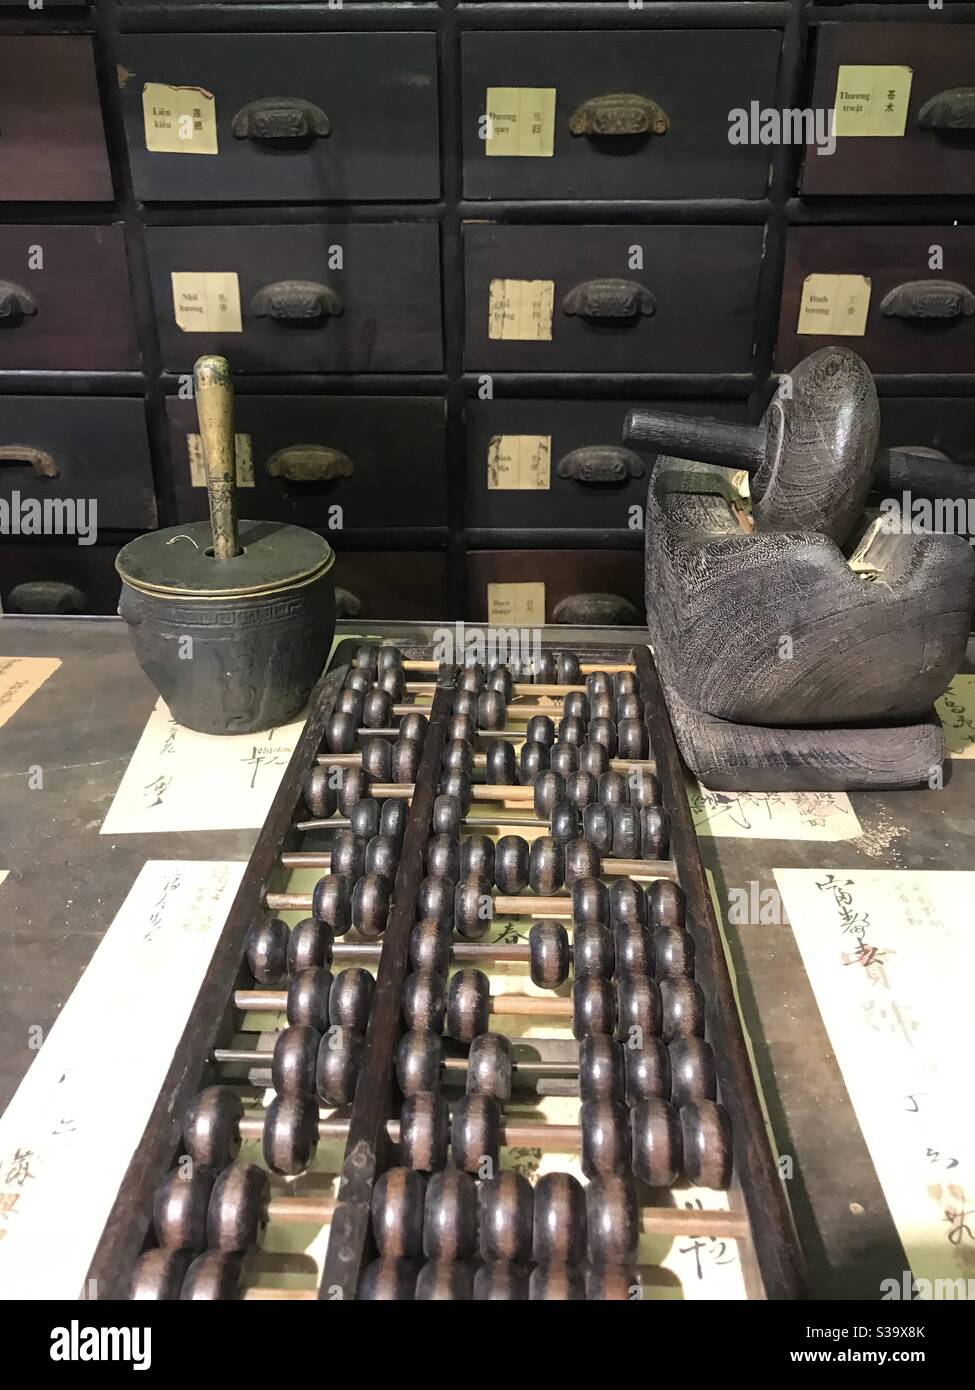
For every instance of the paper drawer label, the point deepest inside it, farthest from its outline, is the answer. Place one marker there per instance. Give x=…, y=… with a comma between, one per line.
x=520, y=311
x=243, y=449
x=834, y=305
x=179, y=120
x=519, y=463
x=521, y=605
x=207, y=301
x=520, y=122
x=871, y=100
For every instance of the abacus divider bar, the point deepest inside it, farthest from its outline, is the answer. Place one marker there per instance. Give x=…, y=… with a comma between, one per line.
x=518, y=689
x=695, y=437
x=480, y=759
x=772, y=1234
x=587, y=668
x=365, y=1150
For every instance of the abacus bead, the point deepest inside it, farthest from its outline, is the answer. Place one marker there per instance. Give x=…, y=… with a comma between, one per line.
x=319, y=793
x=238, y=1208
x=425, y=1001
x=366, y=658
x=214, y=1277
x=267, y=950
x=423, y=1129
x=603, y=707
x=387, y=656
x=447, y=673
x=629, y=707
x=475, y=1134
x=413, y=726
x=499, y=678
x=576, y=705
x=500, y=764
x=444, y=1281
x=473, y=909
x=388, y=1281
x=656, y=1140
x=566, y=823
x=601, y=1069
x=559, y=1232
x=549, y=790
x=357, y=680
x=611, y=788
x=582, y=861
x=648, y=1070
x=443, y=857
x=624, y=683
x=593, y=951
x=598, y=683
x=639, y=1007
x=393, y=682
x=332, y=902
x=472, y=677
x=450, y=1216
x=158, y=1276
x=593, y=758
x=293, y=1060
x=556, y=1284
x=634, y=949
x=477, y=857
x=457, y=783
x=397, y=1213
x=339, y=1062
x=458, y=756
x=603, y=730
x=340, y=732
x=350, y=702
x=418, y=1061
x=563, y=756
x=654, y=832
x=613, y=1219
x=548, y=951
x=580, y=789
x=532, y=760
x=543, y=668
x=613, y=1284
x=597, y=827
x=364, y=818
x=211, y=1130
x=572, y=732
x=507, y=1214
x=644, y=787
x=179, y=1209
x=355, y=785
x=605, y=1137
x=290, y=1134
x=567, y=669
x=489, y=1066
x=706, y=1129
x=674, y=952
x=546, y=865
x=382, y=857
x=348, y=854
x=593, y=1006
x=627, y=902
x=491, y=710
x=626, y=832
x=590, y=901
x=406, y=756
x=430, y=945
x=308, y=996
x=540, y=729
x=666, y=903
x=447, y=815
x=309, y=944
x=465, y=702
x=461, y=726
x=435, y=899
x=377, y=758
x=683, y=1007
x=511, y=864
x=500, y=1282
x=468, y=1004
x=693, y=1072
x=370, y=905
x=633, y=739
x=393, y=816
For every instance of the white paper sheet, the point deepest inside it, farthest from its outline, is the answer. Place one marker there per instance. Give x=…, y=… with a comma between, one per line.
x=956, y=710
x=20, y=676
x=773, y=815
x=68, y=1135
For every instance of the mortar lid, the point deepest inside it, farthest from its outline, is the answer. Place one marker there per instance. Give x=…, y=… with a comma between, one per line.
x=179, y=561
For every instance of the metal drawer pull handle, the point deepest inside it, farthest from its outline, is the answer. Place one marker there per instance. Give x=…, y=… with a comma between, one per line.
x=296, y=300
x=953, y=109
x=16, y=303
x=42, y=463
x=928, y=299
x=309, y=463
x=601, y=463
x=280, y=118
x=619, y=113
x=610, y=299
x=347, y=604
x=596, y=610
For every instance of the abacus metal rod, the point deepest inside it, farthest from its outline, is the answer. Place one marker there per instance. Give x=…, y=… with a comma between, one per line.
x=505, y=905
x=520, y=688
x=469, y=822
x=535, y=1006
x=480, y=759
x=587, y=668
x=261, y=1057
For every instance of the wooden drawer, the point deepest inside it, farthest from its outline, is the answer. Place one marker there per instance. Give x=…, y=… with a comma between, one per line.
x=281, y=117
x=542, y=464
x=275, y=300
x=691, y=308
x=343, y=463
x=935, y=155
x=37, y=576
x=911, y=325
x=79, y=448
x=510, y=588
x=52, y=144
x=401, y=584
x=64, y=300
x=569, y=84
x=945, y=423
